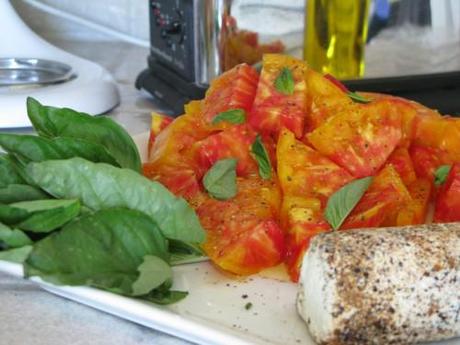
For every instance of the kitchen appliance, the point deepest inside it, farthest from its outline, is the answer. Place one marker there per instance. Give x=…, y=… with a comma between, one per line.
x=30, y=66
x=193, y=41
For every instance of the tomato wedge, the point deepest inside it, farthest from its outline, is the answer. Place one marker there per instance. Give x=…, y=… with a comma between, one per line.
x=385, y=196
x=415, y=211
x=361, y=138
x=401, y=161
x=305, y=172
x=274, y=109
x=235, y=89
x=448, y=200
x=243, y=236
x=159, y=122
x=233, y=142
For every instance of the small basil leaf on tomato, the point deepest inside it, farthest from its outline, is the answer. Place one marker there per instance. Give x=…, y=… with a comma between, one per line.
x=357, y=98
x=440, y=175
x=261, y=156
x=284, y=82
x=220, y=180
x=235, y=116
x=343, y=201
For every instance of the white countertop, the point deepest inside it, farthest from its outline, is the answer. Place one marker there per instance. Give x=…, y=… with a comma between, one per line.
x=28, y=314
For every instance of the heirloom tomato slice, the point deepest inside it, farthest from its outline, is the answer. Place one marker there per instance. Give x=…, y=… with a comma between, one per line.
x=233, y=142
x=385, y=196
x=448, y=199
x=274, y=107
x=328, y=97
x=159, y=122
x=361, y=138
x=440, y=132
x=401, y=161
x=304, y=171
x=243, y=236
x=415, y=211
x=235, y=89
x=302, y=218
x=427, y=159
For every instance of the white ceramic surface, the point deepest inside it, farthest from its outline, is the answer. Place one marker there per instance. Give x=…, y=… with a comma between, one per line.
x=214, y=312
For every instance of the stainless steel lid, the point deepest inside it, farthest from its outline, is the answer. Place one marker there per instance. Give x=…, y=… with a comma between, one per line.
x=31, y=71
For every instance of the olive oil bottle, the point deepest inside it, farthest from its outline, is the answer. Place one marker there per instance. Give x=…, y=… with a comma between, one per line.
x=335, y=36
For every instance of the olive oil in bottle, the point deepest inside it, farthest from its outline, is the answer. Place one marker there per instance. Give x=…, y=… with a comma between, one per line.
x=335, y=36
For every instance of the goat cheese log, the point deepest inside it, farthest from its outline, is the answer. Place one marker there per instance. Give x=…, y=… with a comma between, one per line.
x=382, y=286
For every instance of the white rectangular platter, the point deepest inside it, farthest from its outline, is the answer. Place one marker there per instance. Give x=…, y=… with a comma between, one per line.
x=215, y=310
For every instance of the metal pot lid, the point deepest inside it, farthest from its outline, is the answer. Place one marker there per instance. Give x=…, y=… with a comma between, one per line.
x=31, y=71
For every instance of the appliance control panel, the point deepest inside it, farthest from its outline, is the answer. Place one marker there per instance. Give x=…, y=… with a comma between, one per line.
x=172, y=36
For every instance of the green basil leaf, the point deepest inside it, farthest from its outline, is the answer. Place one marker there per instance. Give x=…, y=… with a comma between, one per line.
x=357, y=98
x=261, y=156
x=47, y=215
x=440, y=175
x=343, y=201
x=8, y=172
x=235, y=116
x=21, y=192
x=167, y=297
x=185, y=253
x=17, y=255
x=12, y=215
x=220, y=180
x=53, y=122
x=13, y=238
x=100, y=186
x=152, y=273
x=284, y=82
x=106, y=250
x=38, y=149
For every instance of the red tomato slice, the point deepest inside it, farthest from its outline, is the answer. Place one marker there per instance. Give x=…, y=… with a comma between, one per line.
x=303, y=171
x=235, y=89
x=427, y=159
x=233, y=142
x=303, y=220
x=328, y=97
x=360, y=139
x=243, y=236
x=386, y=195
x=159, y=122
x=448, y=200
x=273, y=109
x=415, y=211
x=401, y=161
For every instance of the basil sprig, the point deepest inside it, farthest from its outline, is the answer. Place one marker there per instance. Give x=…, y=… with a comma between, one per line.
x=441, y=173
x=357, y=98
x=235, y=116
x=220, y=180
x=284, y=82
x=261, y=156
x=343, y=201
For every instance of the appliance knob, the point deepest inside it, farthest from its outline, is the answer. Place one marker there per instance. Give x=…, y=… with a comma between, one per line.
x=175, y=28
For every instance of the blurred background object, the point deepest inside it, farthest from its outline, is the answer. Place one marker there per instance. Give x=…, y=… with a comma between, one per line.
x=30, y=66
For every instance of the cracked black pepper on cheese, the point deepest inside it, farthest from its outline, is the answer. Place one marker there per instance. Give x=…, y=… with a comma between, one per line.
x=382, y=286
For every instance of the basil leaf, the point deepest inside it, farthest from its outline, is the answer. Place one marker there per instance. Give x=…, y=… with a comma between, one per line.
x=17, y=255
x=261, y=156
x=12, y=215
x=440, y=175
x=13, y=238
x=100, y=186
x=284, y=82
x=235, y=116
x=152, y=273
x=21, y=192
x=220, y=180
x=105, y=250
x=167, y=297
x=343, y=201
x=8, y=173
x=53, y=122
x=47, y=215
x=358, y=98
x=184, y=253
